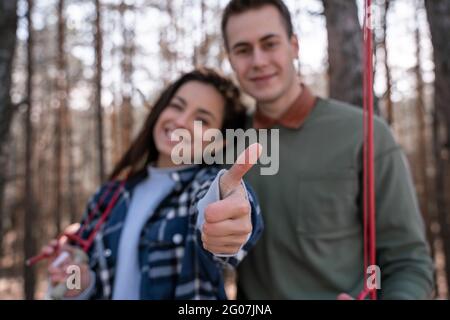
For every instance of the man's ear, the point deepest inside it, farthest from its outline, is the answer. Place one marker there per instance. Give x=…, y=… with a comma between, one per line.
x=294, y=45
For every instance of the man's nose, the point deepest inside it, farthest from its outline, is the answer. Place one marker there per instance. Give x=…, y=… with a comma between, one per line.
x=259, y=58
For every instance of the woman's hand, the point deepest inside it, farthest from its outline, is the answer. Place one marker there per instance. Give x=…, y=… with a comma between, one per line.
x=63, y=264
x=228, y=222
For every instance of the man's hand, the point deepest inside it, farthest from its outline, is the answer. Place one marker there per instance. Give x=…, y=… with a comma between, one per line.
x=228, y=221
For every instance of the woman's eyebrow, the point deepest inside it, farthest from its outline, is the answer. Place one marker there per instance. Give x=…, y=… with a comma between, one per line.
x=206, y=112
x=181, y=100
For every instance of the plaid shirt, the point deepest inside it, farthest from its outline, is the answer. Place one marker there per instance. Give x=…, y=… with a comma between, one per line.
x=172, y=260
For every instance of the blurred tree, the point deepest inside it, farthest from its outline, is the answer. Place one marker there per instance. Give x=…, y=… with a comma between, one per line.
x=8, y=26
x=127, y=23
x=198, y=58
x=63, y=78
x=61, y=106
x=169, y=35
x=98, y=89
x=388, y=93
x=438, y=13
x=344, y=51
x=421, y=117
x=28, y=194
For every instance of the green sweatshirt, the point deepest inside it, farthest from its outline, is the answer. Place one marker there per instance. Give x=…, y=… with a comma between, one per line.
x=312, y=245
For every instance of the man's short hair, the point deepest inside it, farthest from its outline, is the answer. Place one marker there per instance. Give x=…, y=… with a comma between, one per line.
x=239, y=6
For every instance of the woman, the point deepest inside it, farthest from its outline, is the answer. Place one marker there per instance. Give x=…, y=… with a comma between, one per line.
x=150, y=245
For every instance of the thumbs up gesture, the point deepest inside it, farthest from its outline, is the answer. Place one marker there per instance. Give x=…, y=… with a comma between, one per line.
x=228, y=221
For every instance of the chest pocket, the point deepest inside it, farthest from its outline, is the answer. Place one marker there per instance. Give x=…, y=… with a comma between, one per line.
x=165, y=233
x=328, y=204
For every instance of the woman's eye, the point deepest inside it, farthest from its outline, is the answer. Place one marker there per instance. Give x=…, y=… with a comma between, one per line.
x=203, y=121
x=176, y=106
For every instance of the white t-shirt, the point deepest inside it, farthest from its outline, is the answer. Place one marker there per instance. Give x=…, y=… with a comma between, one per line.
x=147, y=195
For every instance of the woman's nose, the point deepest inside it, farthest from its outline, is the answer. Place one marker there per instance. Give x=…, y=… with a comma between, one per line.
x=182, y=120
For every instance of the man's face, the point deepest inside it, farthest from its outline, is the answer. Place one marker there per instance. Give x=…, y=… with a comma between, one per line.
x=261, y=54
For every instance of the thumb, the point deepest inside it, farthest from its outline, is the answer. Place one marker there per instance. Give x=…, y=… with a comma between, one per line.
x=344, y=296
x=231, y=179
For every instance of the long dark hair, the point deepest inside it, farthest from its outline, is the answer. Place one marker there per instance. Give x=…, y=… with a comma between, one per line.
x=143, y=150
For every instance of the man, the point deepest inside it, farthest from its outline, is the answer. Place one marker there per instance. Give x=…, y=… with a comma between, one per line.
x=312, y=246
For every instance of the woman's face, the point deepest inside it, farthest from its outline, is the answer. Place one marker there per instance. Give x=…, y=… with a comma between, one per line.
x=194, y=101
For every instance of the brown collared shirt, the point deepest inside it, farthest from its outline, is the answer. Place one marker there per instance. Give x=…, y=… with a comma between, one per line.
x=294, y=117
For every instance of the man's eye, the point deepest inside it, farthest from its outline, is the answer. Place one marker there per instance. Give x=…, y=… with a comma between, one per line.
x=242, y=51
x=271, y=45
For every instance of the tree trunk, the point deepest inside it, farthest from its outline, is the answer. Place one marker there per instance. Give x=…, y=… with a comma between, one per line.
x=197, y=58
x=128, y=51
x=421, y=116
x=438, y=13
x=344, y=51
x=8, y=26
x=169, y=35
x=439, y=184
x=30, y=210
x=204, y=46
x=61, y=89
x=72, y=183
x=388, y=94
x=98, y=91
x=115, y=148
